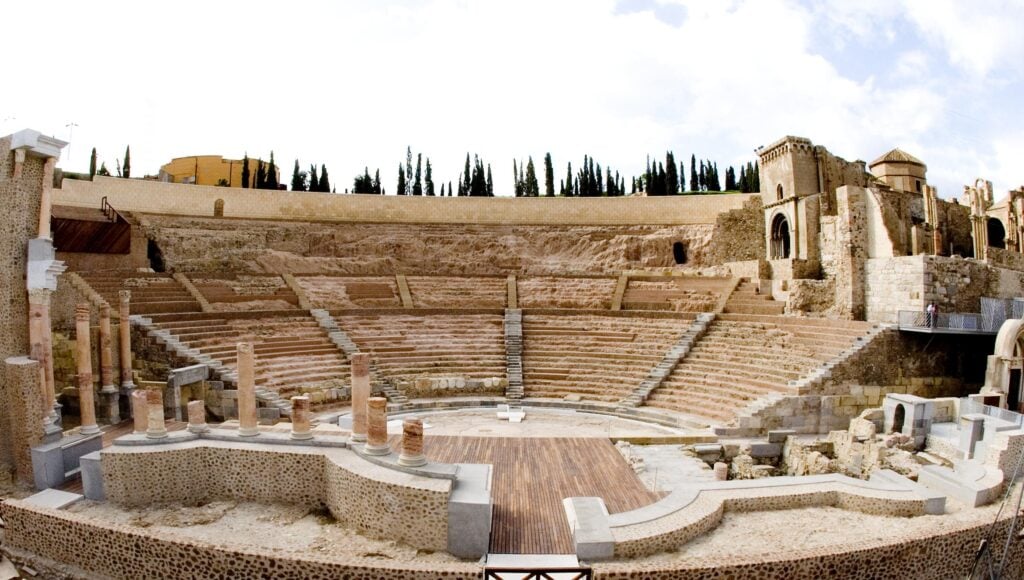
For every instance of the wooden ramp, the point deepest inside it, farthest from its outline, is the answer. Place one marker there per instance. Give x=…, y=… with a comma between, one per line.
x=533, y=475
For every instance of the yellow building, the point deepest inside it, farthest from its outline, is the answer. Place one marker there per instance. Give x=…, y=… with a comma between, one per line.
x=209, y=170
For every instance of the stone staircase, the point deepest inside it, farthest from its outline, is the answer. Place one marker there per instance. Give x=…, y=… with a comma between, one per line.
x=669, y=361
x=514, y=354
x=397, y=400
x=152, y=293
x=746, y=299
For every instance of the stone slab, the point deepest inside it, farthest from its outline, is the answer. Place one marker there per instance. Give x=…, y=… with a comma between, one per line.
x=592, y=534
x=187, y=375
x=470, y=510
x=92, y=477
x=53, y=499
x=760, y=450
x=779, y=435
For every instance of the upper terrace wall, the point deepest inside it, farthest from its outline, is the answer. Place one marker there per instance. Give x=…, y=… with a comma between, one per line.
x=198, y=200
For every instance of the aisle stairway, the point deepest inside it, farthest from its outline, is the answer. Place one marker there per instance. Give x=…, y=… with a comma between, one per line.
x=152, y=293
x=746, y=299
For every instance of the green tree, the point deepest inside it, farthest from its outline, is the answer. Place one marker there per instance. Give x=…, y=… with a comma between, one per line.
x=92, y=164
x=730, y=179
x=400, y=188
x=325, y=182
x=376, y=183
x=519, y=183
x=442, y=190
x=408, y=171
x=314, y=179
x=298, y=178
x=127, y=168
x=245, y=171
x=694, y=178
x=532, y=187
x=490, y=182
x=417, y=186
x=103, y=170
x=271, y=173
x=568, y=179
x=428, y=179
x=261, y=174
x=549, y=176
x=467, y=178
x=671, y=176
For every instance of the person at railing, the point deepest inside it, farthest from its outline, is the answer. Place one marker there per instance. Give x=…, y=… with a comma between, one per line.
x=932, y=314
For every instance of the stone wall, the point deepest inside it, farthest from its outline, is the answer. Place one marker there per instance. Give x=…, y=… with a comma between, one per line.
x=19, y=221
x=135, y=195
x=954, y=284
x=25, y=420
x=375, y=500
x=811, y=297
x=87, y=262
x=207, y=245
x=739, y=234
x=67, y=545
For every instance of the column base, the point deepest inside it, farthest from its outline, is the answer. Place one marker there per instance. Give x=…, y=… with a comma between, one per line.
x=248, y=431
x=376, y=450
x=51, y=432
x=357, y=438
x=89, y=429
x=156, y=434
x=302, y=436
x=198, y=428
x=412, y=461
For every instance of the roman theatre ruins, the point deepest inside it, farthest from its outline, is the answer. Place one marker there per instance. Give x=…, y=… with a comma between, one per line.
x=819, y=380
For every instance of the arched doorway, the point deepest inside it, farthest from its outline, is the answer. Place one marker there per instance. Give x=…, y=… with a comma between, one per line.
x=780, y=242
x=899, y=416
x=996, y=233
x=218, y=208
x=679, y=252
x=1004, y=376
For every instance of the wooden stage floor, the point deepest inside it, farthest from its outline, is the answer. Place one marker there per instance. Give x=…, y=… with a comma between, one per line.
x=533, y=475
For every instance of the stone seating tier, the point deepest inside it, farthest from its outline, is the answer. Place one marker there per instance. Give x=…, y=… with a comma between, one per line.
x=291, y=351
x=600, y=357
x=675, y=293
x=253, y=289
x=334, y=292
x=458, y=292
x=151, y=293
x=742, y=358
x=420, y=345
x=553, y=292
x=745, y=300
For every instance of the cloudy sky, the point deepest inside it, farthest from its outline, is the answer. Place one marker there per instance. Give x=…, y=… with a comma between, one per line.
x=351, y=84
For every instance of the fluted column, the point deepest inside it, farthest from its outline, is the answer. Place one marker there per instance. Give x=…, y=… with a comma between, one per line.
x=140, y=413
x=86, y=402
x=155, y=428
x=360, y=394
x=377, y=426
x=197, y=417
x=247, y=425
x=412, y=443
x=301, y=428
x=110, y=396
x=125, y=334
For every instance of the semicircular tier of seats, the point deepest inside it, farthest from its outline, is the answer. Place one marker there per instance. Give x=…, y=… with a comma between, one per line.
x=742, y=358
x=152, y=293
x=292, y=352
x=418, y=345
x=566, y=292
x=331, y=292
x=599, y=357
x=458, y=291
x=675, y=293
x=234, y=292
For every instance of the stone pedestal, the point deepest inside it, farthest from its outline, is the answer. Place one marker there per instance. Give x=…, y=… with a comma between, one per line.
x=377, y=426
x=412, y=443
x=124, y=330
x=360, y=394
x=721, y=471
x=197, y=417
x=301, y=418
x=155, y=428
x=86, y=398
x=139, y=412
x=247, y=420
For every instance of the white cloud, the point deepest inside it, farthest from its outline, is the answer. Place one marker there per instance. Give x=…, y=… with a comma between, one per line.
x=978, y=36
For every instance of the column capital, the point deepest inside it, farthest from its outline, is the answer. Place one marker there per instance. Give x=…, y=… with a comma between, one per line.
x=82, y=312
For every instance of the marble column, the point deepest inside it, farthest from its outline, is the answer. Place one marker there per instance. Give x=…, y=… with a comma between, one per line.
x=86, y=403
x=139, y=411
x=197, y=417
x=412, y=443
x=377, y=426
x=301, y=418
x=360, y=394
x=110, y=396
x=125, y=334
x=247, y=424
x=38, y=313
x=155, y=428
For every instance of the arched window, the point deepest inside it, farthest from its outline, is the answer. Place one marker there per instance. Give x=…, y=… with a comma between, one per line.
x=218, y=208
x=780, y=243
x=679, y=252
x=996, y=233
x=778, y=192
x=899, y=417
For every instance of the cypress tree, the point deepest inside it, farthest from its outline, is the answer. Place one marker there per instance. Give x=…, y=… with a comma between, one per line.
x=92, y=164
x=549, y=176
x=694, y=180
x=466, y=176
x=610, y=187
x=272, y=173
x=568, y=180
x=245, y=170
x=127, y=169
x=442, y=189
x=325, y=183
x=730, y=179
x=702, y=177
x=314, y=181
x=756, y=185
x=103, y=170
x=417, y=186
x=298, y=178
x=671, y=177
x=400, y=188
x=376, y=183
x=261, y=174
x=408, y=171
x=515, y=175
x=490, y=182
x=429, y=179
x=532, y=189
x=449, y=189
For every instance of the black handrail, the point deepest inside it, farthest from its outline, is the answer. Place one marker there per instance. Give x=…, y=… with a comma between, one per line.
x=538, y=573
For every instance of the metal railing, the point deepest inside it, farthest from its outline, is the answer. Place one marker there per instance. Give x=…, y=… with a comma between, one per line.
x=973, y=406
x=965, y=322
x=555, y=573
x=108, y=210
